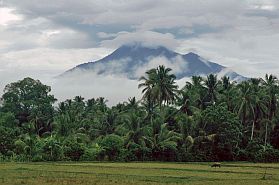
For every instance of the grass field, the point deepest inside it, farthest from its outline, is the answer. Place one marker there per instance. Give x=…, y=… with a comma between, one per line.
x=137, y=173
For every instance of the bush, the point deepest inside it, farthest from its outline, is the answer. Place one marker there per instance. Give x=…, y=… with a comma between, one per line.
x=7, y=138
x=92, y=153
x=112, y=144
x=73, y=150
x=267, y=155
x=137, y=152
x=19, y=146
x=252, y=150
x=51, y=149
x=37, y=158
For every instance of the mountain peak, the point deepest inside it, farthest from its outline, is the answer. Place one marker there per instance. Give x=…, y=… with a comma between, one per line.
x=140, y=46
x=132, y=60
x=192, y=54
x=139, y=51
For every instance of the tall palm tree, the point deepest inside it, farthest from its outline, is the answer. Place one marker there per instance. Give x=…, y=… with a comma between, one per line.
x=195, y=90
x=258, y=102
x=211, y=83
x=228, y=92
x=159, y=85
x=265, y=123
x=101, y=103
x=132, y=103
x=271, y=85
x=245, y=101
x=148, y=84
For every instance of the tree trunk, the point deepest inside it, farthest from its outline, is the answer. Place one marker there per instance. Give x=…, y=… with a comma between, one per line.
x=252, y=133
x=265, y=137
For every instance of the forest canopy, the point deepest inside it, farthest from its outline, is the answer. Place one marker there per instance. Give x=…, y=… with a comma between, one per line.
x=209, y=119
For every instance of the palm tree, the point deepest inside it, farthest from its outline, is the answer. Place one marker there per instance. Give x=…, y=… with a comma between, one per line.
x=132, y=103
x=134, y=128
x=185, y=103
x=252, y=99
x=101, y=103
x=258, y=102
x=228, y=92
x=148, y=84
x=159, y=85
x=196, y=91
x=160, y=139
x=245, y=101
x=266, y=122
x=211, y=83
x=226, y=82
x=196, y=82
x=271, y=85
x=105, y=123
x=185, y=131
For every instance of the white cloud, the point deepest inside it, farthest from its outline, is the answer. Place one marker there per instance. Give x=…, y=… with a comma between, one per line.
x=7, y=16
x=177, y=64
x=147, y=38
x=250, y=53
x=43, y=39
x=43, y=64
x=87, y=84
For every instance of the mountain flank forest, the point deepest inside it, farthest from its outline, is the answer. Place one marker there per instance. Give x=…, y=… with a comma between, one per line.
x=208, y=119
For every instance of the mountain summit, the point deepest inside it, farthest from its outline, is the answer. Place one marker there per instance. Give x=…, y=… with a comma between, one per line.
x=132, y=61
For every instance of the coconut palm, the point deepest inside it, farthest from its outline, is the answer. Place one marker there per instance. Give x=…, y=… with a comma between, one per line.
x=134, y=128
x=258, y=102
x=211, y=83
x=271, y=85
x=160, y=139
x=227, y=92
x=265, y=123
x=245, y=99
x=159, y=85
x=196, y=91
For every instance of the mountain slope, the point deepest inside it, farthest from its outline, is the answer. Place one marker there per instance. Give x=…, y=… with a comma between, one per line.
x=132, y=61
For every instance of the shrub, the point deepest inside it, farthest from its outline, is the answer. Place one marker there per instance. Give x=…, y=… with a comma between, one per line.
x=92, y=153
x=112, y=144
x=73, y=150
x=52, y=149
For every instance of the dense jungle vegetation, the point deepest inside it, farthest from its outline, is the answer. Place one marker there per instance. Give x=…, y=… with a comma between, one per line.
x=206, y=120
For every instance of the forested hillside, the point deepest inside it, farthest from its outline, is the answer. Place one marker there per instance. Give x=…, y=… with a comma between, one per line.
x=206, y=120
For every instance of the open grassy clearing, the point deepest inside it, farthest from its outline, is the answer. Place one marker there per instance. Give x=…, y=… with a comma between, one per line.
x=137, y=173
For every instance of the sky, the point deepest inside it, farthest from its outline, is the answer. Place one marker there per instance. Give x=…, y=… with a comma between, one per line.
x=44, y=38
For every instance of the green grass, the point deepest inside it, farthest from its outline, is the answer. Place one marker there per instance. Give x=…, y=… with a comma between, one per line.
x=137, y=173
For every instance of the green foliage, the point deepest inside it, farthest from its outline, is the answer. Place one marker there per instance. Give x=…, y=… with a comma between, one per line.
x=73, y=150
x=7, y=120
x=112, y=145
x=51, y=149
x=207, y=120
x=225, y=124
x=7, y=139
x=92, y=153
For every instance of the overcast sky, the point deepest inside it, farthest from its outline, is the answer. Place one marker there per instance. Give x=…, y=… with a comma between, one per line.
x=43, y=38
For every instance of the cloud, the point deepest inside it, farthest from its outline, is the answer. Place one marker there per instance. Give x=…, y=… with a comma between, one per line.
x=43, y=39
x=177, y=64
x=88, y=84
x=245, y=52
x=43, y=64
x=147, y=38
x=7, y=16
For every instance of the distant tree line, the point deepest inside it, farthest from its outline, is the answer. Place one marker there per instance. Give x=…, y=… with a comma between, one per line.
x=206, y=120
